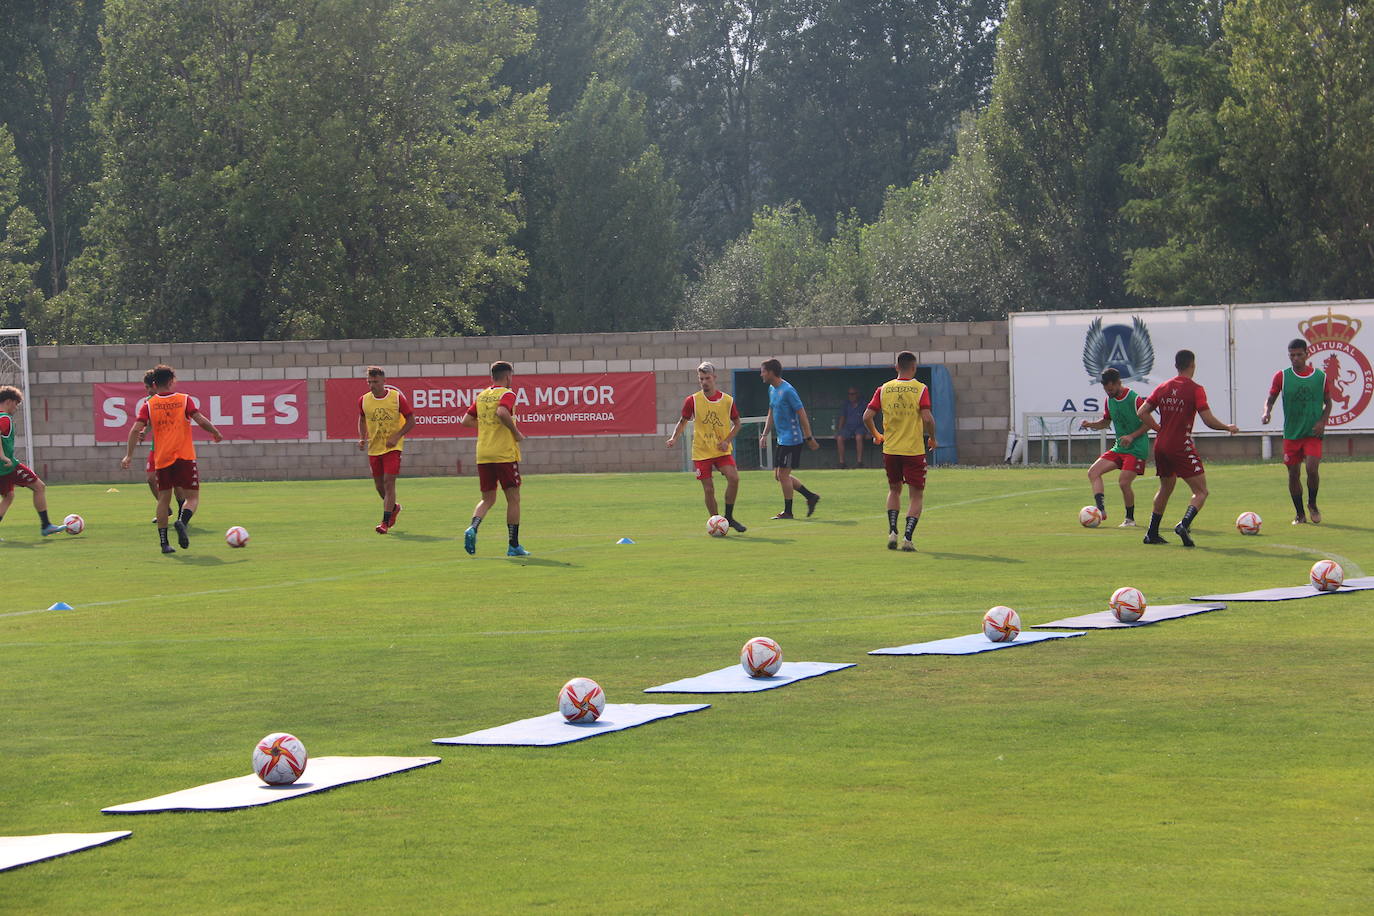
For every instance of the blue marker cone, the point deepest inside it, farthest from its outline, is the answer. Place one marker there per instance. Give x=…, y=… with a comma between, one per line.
x=61, y=606
x=624, y=541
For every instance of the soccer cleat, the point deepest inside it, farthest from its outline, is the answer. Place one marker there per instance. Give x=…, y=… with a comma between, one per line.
x=908, y=547
x=183, y=539
x=1300, y=520
x=892, y=540
x=517, y=551
x=470, y=540
x=1315, y=514
x=783, y=515
x=168, y=548
x=395, y=514
x=382, y=529
x=1128, y=523
x=1153, y=537
x=811, y=504
x=1182, y=531
x=736, y=525
x=52, y=529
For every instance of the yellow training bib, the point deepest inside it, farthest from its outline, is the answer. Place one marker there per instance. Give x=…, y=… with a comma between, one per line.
x=903, y=428
x=383, y=416
x=710, y=424
x=495, y=443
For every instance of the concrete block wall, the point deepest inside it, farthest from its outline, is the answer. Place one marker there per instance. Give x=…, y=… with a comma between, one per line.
x=975, y=353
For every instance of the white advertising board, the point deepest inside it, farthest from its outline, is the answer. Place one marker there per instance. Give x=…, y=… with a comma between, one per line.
x=1057, y=357
x=1336, y=343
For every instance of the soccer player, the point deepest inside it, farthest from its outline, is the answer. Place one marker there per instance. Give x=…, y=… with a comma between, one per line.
x=849, y=425
x=713, y=436
x=14, y=473
x=381, y=433
x=907, y=423
x=174, y=454
x=787, y=415
x=492, y=414
x=1131, y=449
x=150, y=467
x=1178, y=401
x=1306, y=406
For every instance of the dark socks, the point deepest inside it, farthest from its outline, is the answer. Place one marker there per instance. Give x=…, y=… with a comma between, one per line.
x=43, y=517
x=162, y=536
x=386, y=518
x=1130, y=512
x=185, y=516
x=911, y=521
x=787, y=506
x=1189, y=514
x=180, y=502
x=514, y=535
x=1155, y=519
x=1312, y=496
x=1297, y=505
x=729, y=510
x=476, y=520
x=892, y=520
x=802, y=490
x=1101, y=501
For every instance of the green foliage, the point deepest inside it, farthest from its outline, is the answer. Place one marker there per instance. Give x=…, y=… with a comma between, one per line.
x=19, y=239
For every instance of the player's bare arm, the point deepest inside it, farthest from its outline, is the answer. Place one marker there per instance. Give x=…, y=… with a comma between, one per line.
x=1211, y=420
x=200, y=420
x=1099, y=423
x=506, y=419
x=135, y=436
x=1269, y=406
x=805, y=422
x=469, y=420
x=362, y=433
x=1144, y=409
x=729, y=437
x=397, y=436
x=1320, y=426
x=928, y=418
x=677, y=431
x=767, y=427
x=869, y=414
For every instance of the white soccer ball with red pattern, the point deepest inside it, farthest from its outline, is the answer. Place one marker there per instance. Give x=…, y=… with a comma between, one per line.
x=1249, y=523
x=760, y=657
x=1090, y=516
x=1327, y=575
x=1001, y=624
x=581, y=700
x=74, y=524
x=717, y=526
x=1127, y=604
x=236, y=536
x=279, y=759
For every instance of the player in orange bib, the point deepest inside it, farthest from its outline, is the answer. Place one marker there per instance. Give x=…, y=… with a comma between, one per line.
x=174, y=454
x=384, y=418
x=715, y=425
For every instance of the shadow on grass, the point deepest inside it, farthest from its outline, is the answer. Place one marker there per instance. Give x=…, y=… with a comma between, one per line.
x=1244, y=551
x=946, y=555
x=846, y=522
x=538, y=561
x=749, y=536
x=1341, y=527
x=418, y=537
x=202, y=560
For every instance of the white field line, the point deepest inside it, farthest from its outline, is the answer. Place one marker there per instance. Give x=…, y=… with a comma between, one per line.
x=1352, y=569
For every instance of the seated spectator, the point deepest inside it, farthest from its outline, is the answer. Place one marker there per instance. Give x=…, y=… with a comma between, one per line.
x=849, y=424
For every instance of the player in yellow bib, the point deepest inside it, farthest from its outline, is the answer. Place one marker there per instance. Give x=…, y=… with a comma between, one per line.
x=716, y=423
x=384, y=418
x=907, y=425
x=492, y=414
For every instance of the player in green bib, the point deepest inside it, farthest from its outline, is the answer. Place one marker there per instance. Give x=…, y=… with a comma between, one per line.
x=1131, y=450
x=13, y=473
x=1306, y=406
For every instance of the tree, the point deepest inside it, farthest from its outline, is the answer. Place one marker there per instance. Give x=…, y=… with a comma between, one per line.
x=19, y=240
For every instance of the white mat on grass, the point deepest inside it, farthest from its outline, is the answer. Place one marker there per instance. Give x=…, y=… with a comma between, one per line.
x=1106, y=620
x=247, y=791
x=969, y=645
x=546, y=731
x=734, y=680
x=25, y=850
x=1292, y=591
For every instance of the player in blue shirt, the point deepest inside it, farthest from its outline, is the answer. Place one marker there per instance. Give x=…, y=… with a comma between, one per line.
x=787, y=415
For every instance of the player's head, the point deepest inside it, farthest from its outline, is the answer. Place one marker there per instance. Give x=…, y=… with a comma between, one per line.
x=1111, y=381
x=1297, y=352
x=376, y=380
x=148, y=382
x=706, y=376
x=163, y=377
x=853, y=394
x=1185, y=361
x=906, y=363
x=771, y=370
x=501, y=371
x=10, y=398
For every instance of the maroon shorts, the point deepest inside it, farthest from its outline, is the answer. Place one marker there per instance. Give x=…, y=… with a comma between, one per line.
x=491, y=474
x=1179, y=462
x=906, y=469
x=180, y=473
x=21, y=476
x=706, y=465
x=1124, y=462
x=1294, y=450
x=388, y=463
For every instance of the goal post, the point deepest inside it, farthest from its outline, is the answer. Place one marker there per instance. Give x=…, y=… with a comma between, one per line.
x=749, y=456
x=1056, y=438
x=14, y=370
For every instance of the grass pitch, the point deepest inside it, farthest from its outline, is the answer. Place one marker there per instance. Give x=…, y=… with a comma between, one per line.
x=1219, y=763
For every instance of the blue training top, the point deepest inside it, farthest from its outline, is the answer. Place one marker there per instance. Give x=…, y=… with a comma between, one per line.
x=784, y=401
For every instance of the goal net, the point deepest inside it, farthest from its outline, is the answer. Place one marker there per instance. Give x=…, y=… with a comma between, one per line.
x=1057, y=438
x=748, y=455
x=14, y=370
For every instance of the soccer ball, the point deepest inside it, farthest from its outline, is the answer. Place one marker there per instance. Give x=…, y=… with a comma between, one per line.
x=1001, y=624
x=717, y=526
x=236, y=536
x=760, y=657
x=581, y=700
x=1127, y=604
x=279, y=759
x=1248, y=523
x=1327, y=575
x=1090, y=516
x=75, y=524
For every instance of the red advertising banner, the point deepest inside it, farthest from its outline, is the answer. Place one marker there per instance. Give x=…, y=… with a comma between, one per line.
x=581, y=404
x=263, y=409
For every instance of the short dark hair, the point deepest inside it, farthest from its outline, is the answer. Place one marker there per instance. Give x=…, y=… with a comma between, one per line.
x=906, y=360
x=162, y=374
x=1297, y=343
x=773, y=365
x=148, y=377
x=501, y=369
x=373, y=371
x=10, y=393
x=1110, y=375
x=1183, y=359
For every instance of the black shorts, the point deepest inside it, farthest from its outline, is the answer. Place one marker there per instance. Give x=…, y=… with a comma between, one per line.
x=788, y=456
